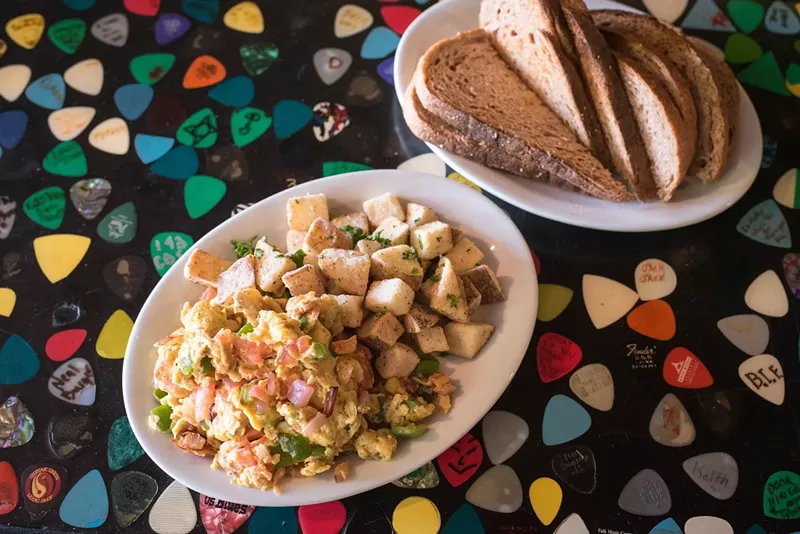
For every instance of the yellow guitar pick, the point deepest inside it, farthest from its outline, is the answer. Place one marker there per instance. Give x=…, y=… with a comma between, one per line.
x=59, y=254
x=26, y=30
x=545, y=495
x=113, y=338
x=3, y=47
x=7, y=301
x=245, y=17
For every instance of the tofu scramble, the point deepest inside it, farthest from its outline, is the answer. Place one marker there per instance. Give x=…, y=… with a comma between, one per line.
x=288, y=362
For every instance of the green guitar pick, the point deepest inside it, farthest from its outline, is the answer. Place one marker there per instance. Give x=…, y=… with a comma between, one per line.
x=739, y=48
x=766, y=74
x=66, y=159
x=46, y=207
x=781, y=495
x=201, y=194
x=248, y=124
x=119, y=226
x=793, y=75
x=257, y=57
x=67, y=34
x=746, y=14
x=167, y=247
x=151, y=68
x=199, y=130
x=329, y=168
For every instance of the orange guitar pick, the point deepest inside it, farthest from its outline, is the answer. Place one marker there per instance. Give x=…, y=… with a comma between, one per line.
x=653, y=319
x=682, y=369
x=204, y=72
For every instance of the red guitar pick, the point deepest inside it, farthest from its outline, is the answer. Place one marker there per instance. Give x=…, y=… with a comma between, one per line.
x=556, y=356
x=399, y=18
x=682, y=369
x=461, y=461
x=62, y=345
x=323, y=518
x=536, y=262
x=9, y=488
x=145, y=8
x=223, y=517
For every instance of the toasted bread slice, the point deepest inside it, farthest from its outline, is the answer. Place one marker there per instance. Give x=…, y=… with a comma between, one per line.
x=466, y=84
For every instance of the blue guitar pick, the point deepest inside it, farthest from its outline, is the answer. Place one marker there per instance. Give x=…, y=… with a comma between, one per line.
x=765, y=223
x=667, y=526
x=132, y=100
x=464, y=520
x=48, y=91
x=151, y=147
x=180, y=163
x=86, y=504
x=386, y=70
x=236, y=92
x=79, y=5
x=171, y=26
x=564, y=420
x=18, y=361
x=380, y=42
x=202, y=10
x=290, y=117
x=281, y=520
x=12, y=127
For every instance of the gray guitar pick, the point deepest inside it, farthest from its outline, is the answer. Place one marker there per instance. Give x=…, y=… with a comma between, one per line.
x=716, y=472
x=646, y=494
x=331, y=64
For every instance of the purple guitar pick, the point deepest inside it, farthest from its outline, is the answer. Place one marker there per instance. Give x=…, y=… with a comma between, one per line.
x=171, y=26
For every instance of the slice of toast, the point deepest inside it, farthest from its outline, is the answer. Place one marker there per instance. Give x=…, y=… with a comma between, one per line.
x=467, y=85
x=706, y=81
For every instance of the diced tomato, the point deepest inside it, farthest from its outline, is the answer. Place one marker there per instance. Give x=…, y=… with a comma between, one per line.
x=203, y=402
x=247, y=351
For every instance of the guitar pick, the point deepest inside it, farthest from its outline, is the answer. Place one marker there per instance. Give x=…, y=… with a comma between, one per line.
x=123, y=449
x=564, y=420
x=386, y=70
x=781, y=19
x=556, y=356
x=112, y=30
x=145, y=8
x=461, y=461
x=553, y=299
x=199, y=130
x=682, y=369
x=201, y=10
x=594, y=385
x=26, y=30
x=151, y=147
x=67, y=34
x=86, y=504
x=229, y=163
x=606, y=300
x=79, y=5
x=119, y=226
x=66, y=159
x=180, y=163
x=380, y=42
x=655, y=279
x=8, y=299
x=265, y=519
x=323, y=518
x=329, y=120
x=707, y=524
x=749, y=333
x=70, y=434
x=149, y=69
x=545, y=495
x=68, y=123
x=63, y=345
x=42, y=487
x=223, y=517
x=573, y=524
x=13, y=81
x=430, y=163
x=46, y=207
x=746, y=14
x=201, y=194
x=740, y=48
x=786, y=191
x=125, y=276
x=131, y=494
x=364, y=91
x=167, y=247
x=66, y=314
x=426, y=477
x=170, y=27
x=18, y=361
x=670, y=424
x=646, y=494
x=16, y=422
x=73, y=382
x=290, y=117
x=667, y=526
x=666, y=10
x=331, y=64
x=780, y=495
x=332, y=168
x=791, y=271
x=576, y=467
x=12, y=127
x=59, y=254
x=415, y=515
x=504, y=433
x=766, y=74
x=464, y=520
x=766, y=295
x=3, y=47
x=132, y=100
x=257, y=57
x=90, y=196
x=763, y=374
x=48, y=91
x=204, y=72
x=399, y=18
x=111, y=136
x=765, y=223
x=113, y=338
x=244, y=17
x=350, y=20
x=497, y=490
x=86, y=76
x=236, y=92
x=715, y=472
x=706, y=15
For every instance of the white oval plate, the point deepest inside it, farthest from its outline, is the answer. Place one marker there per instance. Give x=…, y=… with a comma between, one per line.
x=480, y=381
x=693, y=203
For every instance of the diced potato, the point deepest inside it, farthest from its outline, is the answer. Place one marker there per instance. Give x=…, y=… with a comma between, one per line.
x=301, y=211
x=465, y=255
x=352, y=310
x=465, y=340
x=270, y=267
x=449, y=299
x=380, y=331
x=303, y=280
x=398, y=361
x=429, y=287
x=394, y=230
x=368, y=247
x=240, y=275
x=382, y=207
x=347, y=270
x=432, y=340
x=354, y=220
x=323, y=234
x=418, y=215
x=419, y=318
x=472, y=295
x=205, y=268
x=294, y=240
x=393, y=296
x=400, y=261
x=311, y=259
x=432, y=239
x=487, y=284
x=345, y=346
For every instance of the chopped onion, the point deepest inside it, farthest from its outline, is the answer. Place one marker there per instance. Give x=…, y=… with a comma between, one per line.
x=303, y=344
x=261, y=406
x=287, y=356
x=259, y=392
x=272, y=384
x=315, y=424
x=300, y=393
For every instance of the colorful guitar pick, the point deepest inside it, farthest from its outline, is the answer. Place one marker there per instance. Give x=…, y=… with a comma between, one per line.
x=201, y=194
x=257, y=57
x=350, y=20
x=149, y=69
x=564, y=420
x=63, y=345
x=380, y=42
x=654, y=319
x=26, y=30
x=111, y=136
x=765, y=74
x=765, y=223
x=556, y=356
x=671, y=424
x=167, y=247
x=59, y=254
x=66, y=159
x=545, y=495
x=764, y=375
x=145, y=8
x=399, y=18
x=244, y=17
x=8, y=299
x=86, y=504
x=290, y=117
x=201, y=10
x=67, y=34
x=706, y=15
x=132, y=100
x=13, y=81
x=68, y=123
x=416, y=515
x=151, y=147
x=204, y=72
x=46, y=207
x=594, y=385
x=199, y=130
x=235, y=92
x=131, y=494
x=119, y=226
x=112, y=30
x=746, y=14
x=180, y=163
x=497, y=490
x=86, y=76
x=12, y=127
x=646, y=494
x=170, y=27
x=461, y=461
x=48, y=91
x=682, y=369
x=18, y=362
x=766, y=295
x=780, y=496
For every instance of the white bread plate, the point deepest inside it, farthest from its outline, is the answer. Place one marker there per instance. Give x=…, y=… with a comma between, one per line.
x=693, y=202
x=480, y=381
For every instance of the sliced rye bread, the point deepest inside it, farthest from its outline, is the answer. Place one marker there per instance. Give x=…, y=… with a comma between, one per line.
x=466, y=84
x=660, y=124
x=536, y=55
x=727, y=80
x=705, y=82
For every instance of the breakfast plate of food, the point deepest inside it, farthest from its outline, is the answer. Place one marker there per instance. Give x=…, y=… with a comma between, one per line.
x=593, y=114
x=330, y=339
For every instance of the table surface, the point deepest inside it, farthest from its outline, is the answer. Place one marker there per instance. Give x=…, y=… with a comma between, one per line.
x=714, y=263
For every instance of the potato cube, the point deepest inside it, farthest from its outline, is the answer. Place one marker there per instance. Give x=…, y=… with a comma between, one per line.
x=466, y=339
x=205, y=268
x=417, y=215
x=393, y=296
x=398, y=361
x=347, y=270
x=301, y=211
x=432, y=239
x=432, y=340
x=383, y=207
x=311, y=259
x=487, y=284
x=294, y=240
x=351, y=222
x=430, y=286
x=400, y=261
x=419, y=318
x=472, y=295
x=303, y=280
x=380, y=331
x=352, y=310
x=392, y=230
x=271, y=265
x=240, y=275
x=465, y=255
x=323, y=234
x=368, y=247
x=448, y=298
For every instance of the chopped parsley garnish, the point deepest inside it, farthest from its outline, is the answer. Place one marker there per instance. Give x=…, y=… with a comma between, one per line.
x=298, y=257
x=356, y=234
x=243, y=248
x=246, y=329
x=435, y=278
x=376, y=236
x=304, y=323
x=414, y=271
x=453, y=299
x=258, y=253
x=206, y=366
x=418, y=219
x=410, y=254
x=419, y=242
x=438, y=239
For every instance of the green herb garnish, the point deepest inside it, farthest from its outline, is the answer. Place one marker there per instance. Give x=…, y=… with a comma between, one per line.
x=376, y=236
x=243, y=248
x=453, y=300
x=355, y=233
x=304, y=323
x=419, y=242
x=258, y=253
x=206, y=366
x=298, y=257
x=435, y=278
x=426, y=368
x=410, y=254
x=246, y=329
